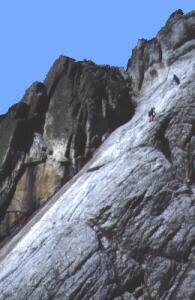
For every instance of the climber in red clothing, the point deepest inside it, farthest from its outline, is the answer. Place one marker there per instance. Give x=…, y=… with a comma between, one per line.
x=23, y=220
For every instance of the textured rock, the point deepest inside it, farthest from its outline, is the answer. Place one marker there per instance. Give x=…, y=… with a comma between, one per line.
x=150, y=56
x=144, y=56
x=17, y=130
x=87, y=103
x=54, y=130
x=123, y=227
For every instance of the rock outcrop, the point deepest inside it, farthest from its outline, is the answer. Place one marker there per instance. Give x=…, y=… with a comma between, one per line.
x=48, y=136
x=172, y=41
x=123, y=227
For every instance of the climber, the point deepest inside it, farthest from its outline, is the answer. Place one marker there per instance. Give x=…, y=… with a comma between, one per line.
x=189, y=184
x=151, y=114
x=176, y=80
x=23, y=220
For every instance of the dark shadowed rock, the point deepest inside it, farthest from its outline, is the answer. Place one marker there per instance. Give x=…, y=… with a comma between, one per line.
x=55, y=129
x=87, y=102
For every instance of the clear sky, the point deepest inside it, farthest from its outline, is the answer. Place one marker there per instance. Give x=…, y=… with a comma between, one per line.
x=34, y=33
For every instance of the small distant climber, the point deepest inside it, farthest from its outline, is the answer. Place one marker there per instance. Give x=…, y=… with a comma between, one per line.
x=176, y=80
x=151, y=114
x=189, y=184
x=23, y=220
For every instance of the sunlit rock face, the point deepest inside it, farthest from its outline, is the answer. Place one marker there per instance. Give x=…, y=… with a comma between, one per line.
x=124, y=226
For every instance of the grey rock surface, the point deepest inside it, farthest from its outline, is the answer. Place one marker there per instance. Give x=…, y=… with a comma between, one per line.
x=124, y=226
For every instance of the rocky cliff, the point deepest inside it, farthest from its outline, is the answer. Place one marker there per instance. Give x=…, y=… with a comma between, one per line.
x=53, y=131
x=124, y=226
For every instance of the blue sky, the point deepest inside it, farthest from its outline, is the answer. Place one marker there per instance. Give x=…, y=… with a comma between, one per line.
x=35, y=32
